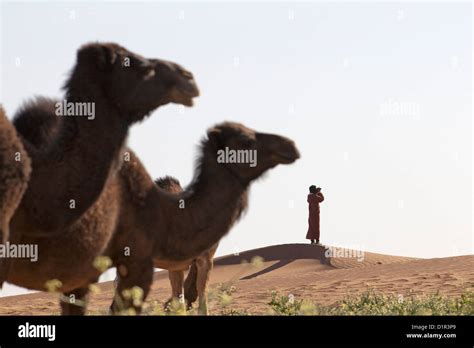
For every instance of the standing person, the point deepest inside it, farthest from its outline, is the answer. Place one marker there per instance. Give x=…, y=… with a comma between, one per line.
x=314, y=198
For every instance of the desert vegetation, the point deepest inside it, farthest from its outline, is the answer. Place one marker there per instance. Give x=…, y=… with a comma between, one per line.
x=370, y=302
x=373, y=302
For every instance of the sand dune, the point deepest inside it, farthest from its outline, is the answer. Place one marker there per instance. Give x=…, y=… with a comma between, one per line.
x=306, y=271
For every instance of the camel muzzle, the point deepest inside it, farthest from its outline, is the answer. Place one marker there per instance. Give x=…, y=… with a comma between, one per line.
x=283, y=149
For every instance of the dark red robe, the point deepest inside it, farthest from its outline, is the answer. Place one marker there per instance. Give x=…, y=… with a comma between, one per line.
x=313, y=220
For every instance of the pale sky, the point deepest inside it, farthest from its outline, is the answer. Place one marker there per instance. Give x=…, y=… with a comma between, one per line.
x=377, y=96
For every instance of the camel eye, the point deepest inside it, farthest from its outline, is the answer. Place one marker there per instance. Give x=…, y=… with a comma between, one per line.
x=145, y=69
x=149, y=73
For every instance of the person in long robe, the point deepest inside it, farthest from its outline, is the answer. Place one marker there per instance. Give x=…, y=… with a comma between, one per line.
x=314, y=198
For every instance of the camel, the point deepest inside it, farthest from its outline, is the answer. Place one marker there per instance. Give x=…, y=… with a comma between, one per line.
x=15, y=169
x=189, y=224
x=76, y=160
x=170, y=230
x=142, y=226
x=69, y=174
x=199, y=271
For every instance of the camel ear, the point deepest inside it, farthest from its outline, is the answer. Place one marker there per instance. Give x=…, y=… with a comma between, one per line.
x=102, y=56
x=215, y=137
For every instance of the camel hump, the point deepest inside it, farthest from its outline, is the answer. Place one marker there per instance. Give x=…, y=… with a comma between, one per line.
x=36, y=122
x=169, y=184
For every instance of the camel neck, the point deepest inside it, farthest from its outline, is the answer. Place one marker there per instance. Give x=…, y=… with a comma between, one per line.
x=212, y=204
x=95, y=130
x=77, y=162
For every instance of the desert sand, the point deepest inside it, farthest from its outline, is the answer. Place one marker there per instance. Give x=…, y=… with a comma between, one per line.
x=303, y=270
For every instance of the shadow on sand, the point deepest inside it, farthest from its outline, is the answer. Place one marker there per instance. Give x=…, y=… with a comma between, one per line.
x=284, y=254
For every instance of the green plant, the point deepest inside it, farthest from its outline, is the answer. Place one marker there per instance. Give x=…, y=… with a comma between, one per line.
x=372, y=302
x=285, y=305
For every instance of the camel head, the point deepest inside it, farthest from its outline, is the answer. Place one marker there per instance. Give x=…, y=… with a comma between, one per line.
x=247, y=153
x=136, y=85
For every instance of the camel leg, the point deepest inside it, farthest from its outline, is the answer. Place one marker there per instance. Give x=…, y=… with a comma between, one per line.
x=4, y=266
x=4, y=262
x=204, y=267
x=12, y=239
x=138, y=274
x=75, y=302
x=190, y=291
x=176, y=281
